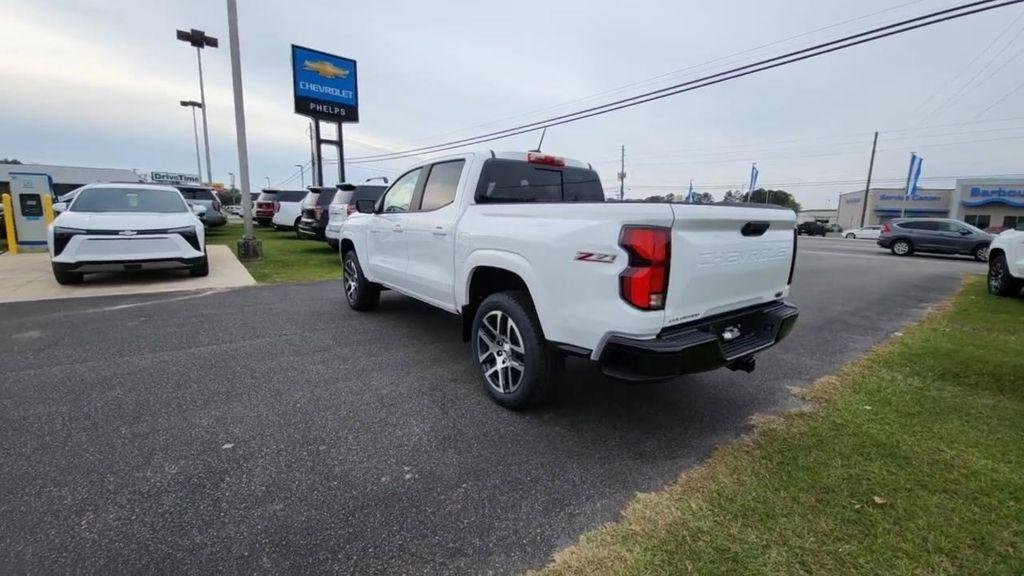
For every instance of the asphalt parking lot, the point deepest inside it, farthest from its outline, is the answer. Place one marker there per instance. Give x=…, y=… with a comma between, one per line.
x=270, y=429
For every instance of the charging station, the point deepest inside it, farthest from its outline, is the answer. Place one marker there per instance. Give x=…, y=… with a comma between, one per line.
x=30, y=196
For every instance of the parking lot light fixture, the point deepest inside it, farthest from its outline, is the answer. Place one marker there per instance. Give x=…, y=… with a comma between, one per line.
x=195, y=131
x=199, y=40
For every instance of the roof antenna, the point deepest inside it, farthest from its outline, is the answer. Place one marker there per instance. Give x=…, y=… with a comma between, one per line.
x=542, y=133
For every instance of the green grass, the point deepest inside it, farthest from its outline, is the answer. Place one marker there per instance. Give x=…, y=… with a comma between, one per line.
x=285, y=257
x=910, y=461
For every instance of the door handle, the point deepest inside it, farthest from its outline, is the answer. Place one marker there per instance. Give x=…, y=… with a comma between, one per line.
x=398, y=229
x=440, y=231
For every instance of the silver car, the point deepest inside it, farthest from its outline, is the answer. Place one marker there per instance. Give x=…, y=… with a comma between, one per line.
x=207, y=198
x=904, y=236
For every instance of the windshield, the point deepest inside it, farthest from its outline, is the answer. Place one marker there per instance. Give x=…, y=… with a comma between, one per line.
x=128, y=200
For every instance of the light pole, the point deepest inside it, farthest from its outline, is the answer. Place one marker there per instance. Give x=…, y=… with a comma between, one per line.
x=249, y=248
x=195, y=131
x=302, y=174
x=200, y=40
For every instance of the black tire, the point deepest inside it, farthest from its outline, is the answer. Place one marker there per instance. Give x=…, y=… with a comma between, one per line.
x=1000, y=282
x=200, y=270
x=68, y=278
x=851, y=236
x=296, y=228
x=497, y=363
x=902, y=248
x=360, y=293
x=980, y=253
x=332, y=243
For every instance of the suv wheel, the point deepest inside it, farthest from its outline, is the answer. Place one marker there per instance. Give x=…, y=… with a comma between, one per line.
x=202, y=269
x=851, y=236
x=508, y=347
x=68, y=278
x=981, y=253
x=1000, y=282
x=902, y=248
x=360, y=293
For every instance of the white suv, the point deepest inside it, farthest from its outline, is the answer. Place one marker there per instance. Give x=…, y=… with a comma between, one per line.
x=117, y=227
x=1006, y=262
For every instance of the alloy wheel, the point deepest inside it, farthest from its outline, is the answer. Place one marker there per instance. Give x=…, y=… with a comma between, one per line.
x=502, y=356
x=351, y=279
x=982, y=254
x=901, y=248
x=996, y=277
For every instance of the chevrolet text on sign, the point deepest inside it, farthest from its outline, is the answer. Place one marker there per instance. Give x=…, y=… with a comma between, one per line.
x=325, y=85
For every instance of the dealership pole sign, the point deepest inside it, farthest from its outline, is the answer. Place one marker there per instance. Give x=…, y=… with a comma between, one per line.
x=324, y=85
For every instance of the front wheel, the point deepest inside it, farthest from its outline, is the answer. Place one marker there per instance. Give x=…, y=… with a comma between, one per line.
x=508, y=347
x=902, y=248
x=360, y=293
x=200, y=270
x=1000, y=282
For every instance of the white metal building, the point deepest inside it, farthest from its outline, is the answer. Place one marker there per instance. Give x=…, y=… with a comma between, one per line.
x=66, y=178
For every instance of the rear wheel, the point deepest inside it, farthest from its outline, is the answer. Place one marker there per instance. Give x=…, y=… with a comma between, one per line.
x=360, y=293
x=851, y=236
x=902, y=248
x=981, y=253
x=1000, y=282
x=509, y=349
x=68, y=278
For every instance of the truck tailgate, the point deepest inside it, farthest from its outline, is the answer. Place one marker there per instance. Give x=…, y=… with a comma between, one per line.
x=727, y=257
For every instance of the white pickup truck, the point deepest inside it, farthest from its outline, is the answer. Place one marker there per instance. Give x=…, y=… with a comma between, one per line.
x=525, y=249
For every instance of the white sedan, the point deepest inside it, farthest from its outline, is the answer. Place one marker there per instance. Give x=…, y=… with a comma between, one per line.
x=118, y=227
x=868, y=232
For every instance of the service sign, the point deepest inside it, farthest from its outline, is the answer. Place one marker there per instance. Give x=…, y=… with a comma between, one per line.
x=324, y=85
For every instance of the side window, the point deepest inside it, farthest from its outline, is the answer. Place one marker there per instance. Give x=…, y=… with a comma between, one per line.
x=948, y=227
x=399, y=196
x=441, y=184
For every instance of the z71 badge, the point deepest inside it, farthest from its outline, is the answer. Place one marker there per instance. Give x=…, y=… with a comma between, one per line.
x=595, y=257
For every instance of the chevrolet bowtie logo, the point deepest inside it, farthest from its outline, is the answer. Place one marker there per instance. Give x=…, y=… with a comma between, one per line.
x=325, y=69
x=127, y=232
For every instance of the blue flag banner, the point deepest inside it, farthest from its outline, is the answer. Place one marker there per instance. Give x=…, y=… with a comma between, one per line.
x=916, y=175
x=689, y=194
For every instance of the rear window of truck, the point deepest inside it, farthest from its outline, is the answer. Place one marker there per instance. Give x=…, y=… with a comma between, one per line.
x=508, y=181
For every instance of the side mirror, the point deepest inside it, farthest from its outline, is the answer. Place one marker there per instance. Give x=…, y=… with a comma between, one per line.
x=60, y=207
x=365, y=206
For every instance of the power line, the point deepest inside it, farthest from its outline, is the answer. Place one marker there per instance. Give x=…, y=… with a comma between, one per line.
x=746, y=70
x=676, y=72
x=1001, y=100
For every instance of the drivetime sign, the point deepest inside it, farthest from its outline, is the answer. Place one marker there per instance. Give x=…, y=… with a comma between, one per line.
x=324, y=85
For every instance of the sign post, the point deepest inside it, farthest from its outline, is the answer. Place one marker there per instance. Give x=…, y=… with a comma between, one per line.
x=325, y=89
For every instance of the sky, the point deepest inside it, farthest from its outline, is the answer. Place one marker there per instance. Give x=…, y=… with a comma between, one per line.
x=97, y=83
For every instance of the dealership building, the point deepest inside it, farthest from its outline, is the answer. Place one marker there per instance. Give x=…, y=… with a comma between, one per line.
x=983, y=202
x=66, y=178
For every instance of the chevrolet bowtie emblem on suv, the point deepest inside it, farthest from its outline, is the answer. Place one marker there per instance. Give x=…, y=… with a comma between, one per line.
x=325, y=69
x=127, y=232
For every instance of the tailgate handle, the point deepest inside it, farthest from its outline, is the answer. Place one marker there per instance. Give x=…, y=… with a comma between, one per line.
x=754, y=228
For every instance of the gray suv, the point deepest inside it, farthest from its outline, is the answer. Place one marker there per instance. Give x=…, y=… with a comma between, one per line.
x=208, y=199
x=905, y=236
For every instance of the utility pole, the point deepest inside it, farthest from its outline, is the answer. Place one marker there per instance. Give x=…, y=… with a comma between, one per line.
x=622, y=174
x=249, y=248
x=302, y=175
x=867, y=188
x=200, y=40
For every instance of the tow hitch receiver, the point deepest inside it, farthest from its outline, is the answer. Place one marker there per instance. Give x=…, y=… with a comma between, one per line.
x=746, y=364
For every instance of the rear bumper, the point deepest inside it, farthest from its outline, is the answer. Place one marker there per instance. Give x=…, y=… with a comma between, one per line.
x=311, y=229
x=699, y=346
x=884, y=242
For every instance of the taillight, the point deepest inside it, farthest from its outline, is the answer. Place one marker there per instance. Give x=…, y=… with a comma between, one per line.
x=548, y=159
x=317, y=211
x=645, y=281
x=792, y=260
x=350, y=209
x=277, y=206
x=885, y=229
